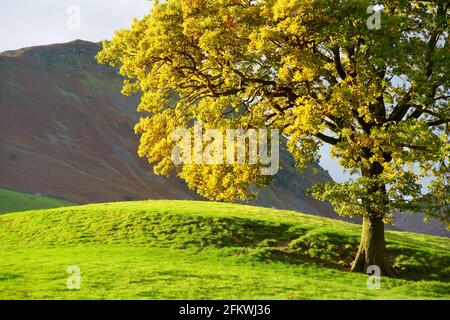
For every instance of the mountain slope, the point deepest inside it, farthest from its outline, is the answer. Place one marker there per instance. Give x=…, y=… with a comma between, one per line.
x=204, y=250
x=65, y=130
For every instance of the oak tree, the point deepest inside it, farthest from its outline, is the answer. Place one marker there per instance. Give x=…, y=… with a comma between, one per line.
x=315, y=70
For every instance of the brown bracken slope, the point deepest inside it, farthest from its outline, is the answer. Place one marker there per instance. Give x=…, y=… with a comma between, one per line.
x=66, y=131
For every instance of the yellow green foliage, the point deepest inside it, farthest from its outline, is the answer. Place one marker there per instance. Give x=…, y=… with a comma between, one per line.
x=313, y=70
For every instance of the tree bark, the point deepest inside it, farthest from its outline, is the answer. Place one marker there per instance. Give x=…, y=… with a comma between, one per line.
x=372, y=248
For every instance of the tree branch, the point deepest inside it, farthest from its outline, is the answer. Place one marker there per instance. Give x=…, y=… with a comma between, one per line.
x=438, y=122
x=328, y=139
x=338, y=63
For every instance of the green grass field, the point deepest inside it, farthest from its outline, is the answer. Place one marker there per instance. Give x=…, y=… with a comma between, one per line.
x=12, y=201
x=204, y=250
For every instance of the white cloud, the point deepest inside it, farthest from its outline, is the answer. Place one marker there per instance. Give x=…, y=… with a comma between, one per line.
x=25, y=23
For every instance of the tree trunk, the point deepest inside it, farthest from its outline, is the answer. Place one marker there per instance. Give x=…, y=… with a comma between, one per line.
x=372, y=248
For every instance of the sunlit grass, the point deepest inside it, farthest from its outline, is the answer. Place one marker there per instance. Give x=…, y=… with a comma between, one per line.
x=12, y=201
x=203, y=250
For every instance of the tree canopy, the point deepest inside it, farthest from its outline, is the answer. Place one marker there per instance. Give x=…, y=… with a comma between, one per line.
x=315, y=71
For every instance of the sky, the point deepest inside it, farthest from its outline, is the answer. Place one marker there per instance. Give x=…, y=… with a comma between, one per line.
x=25, y=23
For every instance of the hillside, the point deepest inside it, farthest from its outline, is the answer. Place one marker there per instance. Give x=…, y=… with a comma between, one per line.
x=204, y=250
x=11, y=201
x=66, y=131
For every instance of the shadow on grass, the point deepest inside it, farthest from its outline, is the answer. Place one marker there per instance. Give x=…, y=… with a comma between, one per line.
x=293, y=244
x=4, y=276
x=414, y=263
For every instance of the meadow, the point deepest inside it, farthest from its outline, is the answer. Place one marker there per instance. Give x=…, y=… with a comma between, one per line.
x=163, y=249
x=11, y=201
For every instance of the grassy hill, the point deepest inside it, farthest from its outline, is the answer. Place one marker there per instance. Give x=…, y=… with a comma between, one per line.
x=204, y=250
x=11, y=201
